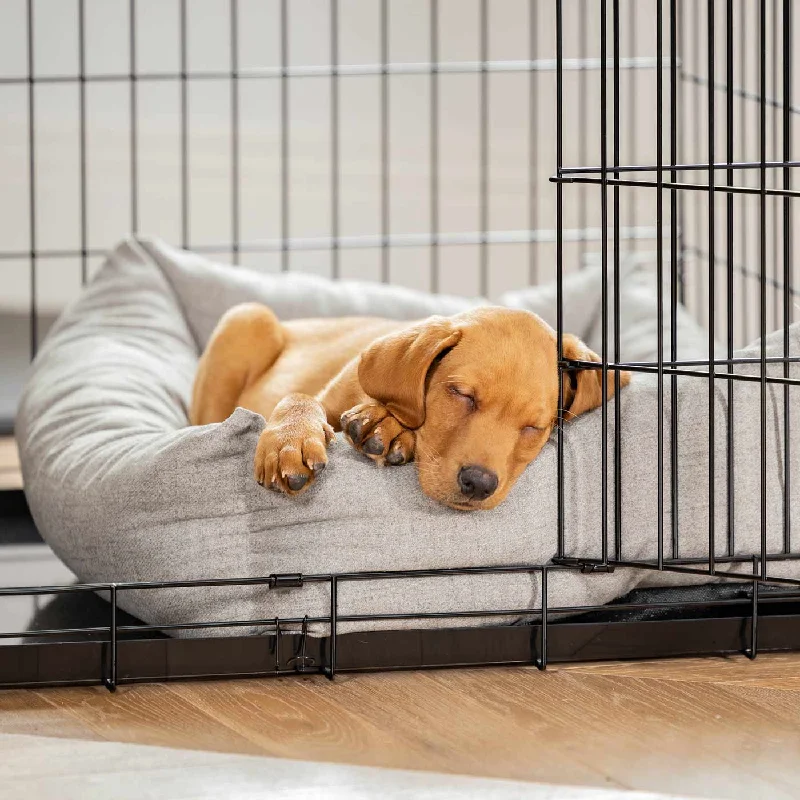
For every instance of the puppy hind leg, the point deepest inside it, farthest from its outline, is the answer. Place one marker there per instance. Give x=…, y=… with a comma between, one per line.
x=246, y=342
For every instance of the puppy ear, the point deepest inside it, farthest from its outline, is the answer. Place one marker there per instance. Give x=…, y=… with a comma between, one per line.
x=583, y=387
x=393, y=369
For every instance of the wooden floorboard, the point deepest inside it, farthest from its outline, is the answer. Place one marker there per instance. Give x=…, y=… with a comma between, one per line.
x=704, y=727
x=10, y=472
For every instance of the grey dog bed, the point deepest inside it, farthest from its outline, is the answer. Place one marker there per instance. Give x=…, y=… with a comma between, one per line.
x=123, y=490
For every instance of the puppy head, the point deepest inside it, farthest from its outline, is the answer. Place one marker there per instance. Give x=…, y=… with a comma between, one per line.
x=481, y=391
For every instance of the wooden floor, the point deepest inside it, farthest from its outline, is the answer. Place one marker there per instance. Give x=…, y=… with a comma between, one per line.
x=713, y=728
x=10, y=473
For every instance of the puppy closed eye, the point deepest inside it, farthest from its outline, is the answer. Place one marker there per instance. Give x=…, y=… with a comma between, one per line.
x=465, y=396
x=529, y=431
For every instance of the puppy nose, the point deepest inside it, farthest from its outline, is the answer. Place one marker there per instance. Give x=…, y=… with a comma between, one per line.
x=477, y=483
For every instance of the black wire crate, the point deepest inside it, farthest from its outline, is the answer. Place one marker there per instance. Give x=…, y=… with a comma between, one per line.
x=670, y=127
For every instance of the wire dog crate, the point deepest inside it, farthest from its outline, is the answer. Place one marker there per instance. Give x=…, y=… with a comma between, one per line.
x=669, y=123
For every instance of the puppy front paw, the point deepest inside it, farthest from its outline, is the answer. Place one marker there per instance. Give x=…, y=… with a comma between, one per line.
x=291, y=452
x=373, y=431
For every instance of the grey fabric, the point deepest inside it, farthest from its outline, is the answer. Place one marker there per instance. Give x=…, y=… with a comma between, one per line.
x=124, y=491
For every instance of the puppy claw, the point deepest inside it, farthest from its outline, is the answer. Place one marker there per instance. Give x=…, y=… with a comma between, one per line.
x=373, y=446
x=395, y=458
x=317, y=467
x=296, y=482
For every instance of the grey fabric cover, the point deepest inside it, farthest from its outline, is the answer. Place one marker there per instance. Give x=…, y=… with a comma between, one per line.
x=123, y=490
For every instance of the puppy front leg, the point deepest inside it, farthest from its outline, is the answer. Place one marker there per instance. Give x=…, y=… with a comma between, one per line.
x=367, y=424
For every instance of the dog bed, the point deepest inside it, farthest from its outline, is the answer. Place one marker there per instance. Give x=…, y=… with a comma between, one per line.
x=123, y=490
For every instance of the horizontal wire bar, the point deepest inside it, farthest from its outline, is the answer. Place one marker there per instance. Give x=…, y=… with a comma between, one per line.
x=322, y=243
x=743, y=93
x=691, y=187
x=742, y=270
x=269, y=623
x=681, y=167
x=654, y=369
x=344, y=70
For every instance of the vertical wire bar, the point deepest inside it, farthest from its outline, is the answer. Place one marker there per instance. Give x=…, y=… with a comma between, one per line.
x=695, y=27
x=788, y=20
x=277, y=646
x=604, y=267
x=284, y=136
x=335, y=160
x=745, y=316
x=712, y=268
x=434, y=143
x=560, y=272
x=633, y=139
x=729, y=256
x=754, y=614
x=763, y=283
x=385, y=209
x=34, y=327
x=533, y=144
x=82, y=133
x=617, y=405
x=775, y=175
x=583, y=49
x=331, y=672
x=134, y=96
x=673, y=266
x=111, y=681
x=234, y=90
x=484, y=147
x=660, y=274
x=184, y=130
x=543, y=647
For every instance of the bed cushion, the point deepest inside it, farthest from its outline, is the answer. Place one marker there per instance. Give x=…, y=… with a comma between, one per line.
x=123, y=490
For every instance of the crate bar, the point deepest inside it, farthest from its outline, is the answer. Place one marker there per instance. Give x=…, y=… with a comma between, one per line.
x=560, y=272
x=697, y=305
x=673, y=268
x=533, y=142
x=34, y=333
x=110, y=681
x=352, y=70
x=434, y=143
x=335, y=154
x=729, y=258
x=788, y=30
x=617, y=404
x=331, y=671
x=543, y=629
x=775, y=177
x=694, y=187
x=396, y=240
x=711, y=296
x=604, y=284
x=660, y=283
x=285, y=162
x=384, y=92
x=235, y=116
x=704, y=166
x=653, y=369
x=82, y=135
x=184, y=129
x=583, y=49
x=763, y=285
x=633, y=212
x=745, y=316
x=484, y=148
x=134, y=132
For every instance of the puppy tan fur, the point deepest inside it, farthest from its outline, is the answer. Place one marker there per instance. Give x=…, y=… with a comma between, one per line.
x=471, y=398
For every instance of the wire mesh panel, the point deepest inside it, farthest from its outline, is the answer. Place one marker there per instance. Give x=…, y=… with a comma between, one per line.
x=411, y=142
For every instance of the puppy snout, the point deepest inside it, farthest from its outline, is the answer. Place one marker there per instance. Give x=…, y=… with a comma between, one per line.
x=477, y=483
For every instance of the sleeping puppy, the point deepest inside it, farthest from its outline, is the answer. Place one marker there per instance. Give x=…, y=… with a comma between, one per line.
x=471, y=398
